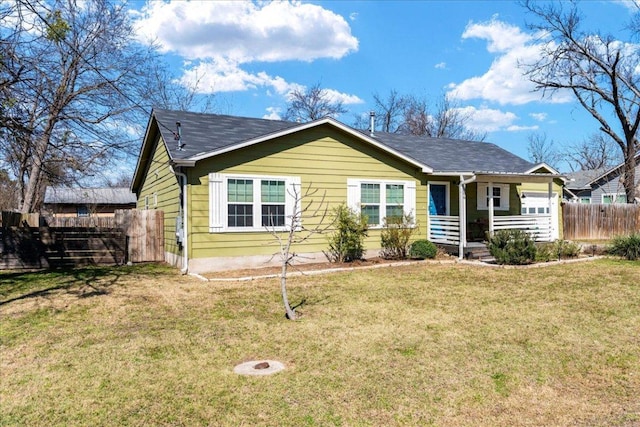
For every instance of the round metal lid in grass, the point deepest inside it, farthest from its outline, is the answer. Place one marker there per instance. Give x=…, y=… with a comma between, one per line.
x=259, y=367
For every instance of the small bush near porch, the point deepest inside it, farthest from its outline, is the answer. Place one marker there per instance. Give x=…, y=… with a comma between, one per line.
x=426, y=344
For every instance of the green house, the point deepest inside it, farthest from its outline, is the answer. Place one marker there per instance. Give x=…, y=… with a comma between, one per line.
x=227, y=183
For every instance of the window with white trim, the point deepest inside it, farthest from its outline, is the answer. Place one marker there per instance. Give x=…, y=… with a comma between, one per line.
x=251, y=203
x=381, y=199
x=83, y=210
x=500, y=197
x=585, y=200
x=608, y=199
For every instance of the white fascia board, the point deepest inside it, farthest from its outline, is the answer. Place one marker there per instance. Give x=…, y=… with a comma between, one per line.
x=145, y=140
x=189, y=163
x=543, y=165
x=515, y=177
x=327, y=120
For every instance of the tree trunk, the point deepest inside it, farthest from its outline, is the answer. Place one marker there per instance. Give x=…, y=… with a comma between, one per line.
x=291, y=315
x=629, y=172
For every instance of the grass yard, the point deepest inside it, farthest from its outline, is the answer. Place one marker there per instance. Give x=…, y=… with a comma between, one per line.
x=427, y=344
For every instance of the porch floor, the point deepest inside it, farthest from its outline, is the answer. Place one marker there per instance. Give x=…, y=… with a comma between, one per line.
x=473, y=250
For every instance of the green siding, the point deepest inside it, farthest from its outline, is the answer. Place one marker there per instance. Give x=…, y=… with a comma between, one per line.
x=323, y=158
x=158, y=179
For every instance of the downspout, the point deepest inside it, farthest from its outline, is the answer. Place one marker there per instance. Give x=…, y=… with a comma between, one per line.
x=462, y=197
x=185, y=251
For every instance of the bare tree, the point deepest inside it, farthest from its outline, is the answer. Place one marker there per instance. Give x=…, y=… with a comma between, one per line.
x=596, y=152
x=171, y=94
x=390, y=112
x=600, y=71
x=298, y=233
x=542, y=150
x=312, y=104
x=80, y=70
x=444, y=120
x=412, y=115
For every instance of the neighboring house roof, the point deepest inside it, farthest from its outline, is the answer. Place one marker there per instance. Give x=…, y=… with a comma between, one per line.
x=89, y=196
x=580, y=180
x=615, y=170
x=208, y=135
x=583, y=180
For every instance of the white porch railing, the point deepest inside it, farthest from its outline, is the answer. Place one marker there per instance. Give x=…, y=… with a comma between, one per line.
x=444, y=229
x=537, y=226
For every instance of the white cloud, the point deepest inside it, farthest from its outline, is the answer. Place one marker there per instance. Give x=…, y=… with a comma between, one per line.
x=353, y=16
x=345, y=98
x=504, y=82
x=501, y=36
x=541, y=117
x=487, y=120
x=516, y=128
x=246, y=31
x=218, y=39
x=441, y=65
x=273, y=113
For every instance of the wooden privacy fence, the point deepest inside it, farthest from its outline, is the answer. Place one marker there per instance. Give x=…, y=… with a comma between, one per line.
x=592, y=222
x=34, y=241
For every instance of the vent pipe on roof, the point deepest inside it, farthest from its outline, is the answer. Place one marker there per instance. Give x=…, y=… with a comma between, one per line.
x=372, y=122
x=177, y=135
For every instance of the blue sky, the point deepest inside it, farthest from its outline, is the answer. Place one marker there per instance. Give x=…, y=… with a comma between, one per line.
x=251, y=55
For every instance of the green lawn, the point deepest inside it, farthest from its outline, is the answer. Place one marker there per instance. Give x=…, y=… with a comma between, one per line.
x=427, y=344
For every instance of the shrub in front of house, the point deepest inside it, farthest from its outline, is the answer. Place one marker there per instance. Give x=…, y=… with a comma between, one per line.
x=512, y=247
x=560, y=249
x=396, y=236
x=626, y=246
x=346, y=243
x=423, y=249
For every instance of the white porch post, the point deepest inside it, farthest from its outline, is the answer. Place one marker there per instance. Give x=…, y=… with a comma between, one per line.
x=490, y=207
x=462, y=217
x=552, y=226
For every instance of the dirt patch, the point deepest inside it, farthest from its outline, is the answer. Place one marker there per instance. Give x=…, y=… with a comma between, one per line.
x=308, y=267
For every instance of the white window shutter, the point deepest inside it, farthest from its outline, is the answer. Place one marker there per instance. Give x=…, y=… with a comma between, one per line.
x=482, y=197
x=353, y=194
x=294, y=187
x=410, y=198
x=504, y=196
x=216, y=202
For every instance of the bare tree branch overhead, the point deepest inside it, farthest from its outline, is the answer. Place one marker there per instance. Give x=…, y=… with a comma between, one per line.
x=76, y=85
x=412, y=115
x=600, y=70
x=312, y=104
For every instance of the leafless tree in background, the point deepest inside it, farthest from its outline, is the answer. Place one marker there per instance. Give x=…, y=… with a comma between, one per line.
x=598, y=151
x=411, y=115
x=600, y=71
x=542, y=150
x=312, y=104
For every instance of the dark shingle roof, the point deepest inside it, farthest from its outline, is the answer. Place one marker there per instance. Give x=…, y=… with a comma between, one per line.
x=79, y=196
x=203, y=133
x=453, y=155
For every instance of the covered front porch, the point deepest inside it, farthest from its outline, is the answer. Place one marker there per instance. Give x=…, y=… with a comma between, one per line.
x=526, y=202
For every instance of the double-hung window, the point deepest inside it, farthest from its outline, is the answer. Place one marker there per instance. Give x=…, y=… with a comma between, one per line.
x=251, y=203
x=381, y=199
x=272, y=195
x=240, y=202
